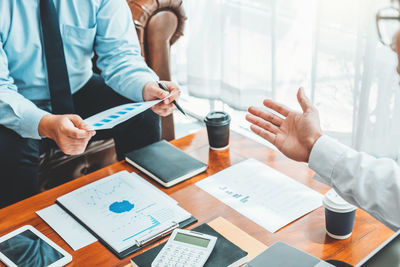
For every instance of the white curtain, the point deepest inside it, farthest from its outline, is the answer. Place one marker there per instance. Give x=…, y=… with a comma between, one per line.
x=242, y=51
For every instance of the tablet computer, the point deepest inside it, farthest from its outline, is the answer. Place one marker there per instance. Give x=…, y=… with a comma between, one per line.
x=387, y=254
x=27, y=246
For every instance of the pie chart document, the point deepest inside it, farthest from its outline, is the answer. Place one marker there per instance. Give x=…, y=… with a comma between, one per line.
x=123, y=208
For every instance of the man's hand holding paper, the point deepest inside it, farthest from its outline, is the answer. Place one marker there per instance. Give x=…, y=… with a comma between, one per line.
x=72, y=134
x=116, y=115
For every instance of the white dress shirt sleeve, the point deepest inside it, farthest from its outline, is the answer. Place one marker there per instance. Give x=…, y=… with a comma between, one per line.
x=16, y=112
x=117, y=46
x=367, y=182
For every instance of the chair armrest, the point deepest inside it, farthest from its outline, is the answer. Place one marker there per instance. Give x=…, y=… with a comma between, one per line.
x=159, y=24
x=144, y=10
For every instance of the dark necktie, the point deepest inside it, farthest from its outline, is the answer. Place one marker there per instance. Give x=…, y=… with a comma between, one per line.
x=60, y=90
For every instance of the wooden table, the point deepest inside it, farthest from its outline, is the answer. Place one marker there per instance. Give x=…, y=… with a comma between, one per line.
x=306, y=233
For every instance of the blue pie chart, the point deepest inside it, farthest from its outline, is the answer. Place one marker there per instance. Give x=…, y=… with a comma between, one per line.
x=121, y=206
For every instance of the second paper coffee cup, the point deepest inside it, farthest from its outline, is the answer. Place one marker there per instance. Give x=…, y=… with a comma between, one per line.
x=217, y=123
x=339, y=216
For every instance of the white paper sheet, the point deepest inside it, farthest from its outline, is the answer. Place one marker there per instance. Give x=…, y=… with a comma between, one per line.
x=123, y=208
x=112, y=117
x=264, y=195
x=70, y=230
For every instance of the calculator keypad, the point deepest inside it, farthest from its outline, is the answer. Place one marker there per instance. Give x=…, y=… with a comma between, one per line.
x=179, y=256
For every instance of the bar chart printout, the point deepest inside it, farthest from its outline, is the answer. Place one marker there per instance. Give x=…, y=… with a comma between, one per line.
x=112, y=117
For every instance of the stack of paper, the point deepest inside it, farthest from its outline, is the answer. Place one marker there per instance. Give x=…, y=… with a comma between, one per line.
x=70, y=230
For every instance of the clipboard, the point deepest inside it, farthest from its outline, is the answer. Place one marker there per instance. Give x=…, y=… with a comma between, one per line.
x=140, y=244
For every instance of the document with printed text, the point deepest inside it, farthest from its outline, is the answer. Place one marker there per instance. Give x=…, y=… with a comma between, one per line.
x=261, y=193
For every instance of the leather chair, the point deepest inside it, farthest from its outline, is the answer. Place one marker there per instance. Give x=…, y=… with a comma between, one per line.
x=159, y=23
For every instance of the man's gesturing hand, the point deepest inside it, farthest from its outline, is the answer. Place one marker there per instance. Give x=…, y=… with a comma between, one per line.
x=152, y=91
x=295, y=134
x=69, y=132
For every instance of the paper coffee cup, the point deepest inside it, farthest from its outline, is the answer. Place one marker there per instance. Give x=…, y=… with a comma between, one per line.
x=217, y=123
x=339, y=215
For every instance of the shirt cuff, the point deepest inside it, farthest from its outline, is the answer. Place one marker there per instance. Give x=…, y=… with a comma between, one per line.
x=324, y=156
x=29, y=124
x=135, y=92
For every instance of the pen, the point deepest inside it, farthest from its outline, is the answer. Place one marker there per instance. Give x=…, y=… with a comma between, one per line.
x=162, y=86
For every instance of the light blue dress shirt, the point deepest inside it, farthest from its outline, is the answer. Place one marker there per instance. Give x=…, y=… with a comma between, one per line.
x=103, y=26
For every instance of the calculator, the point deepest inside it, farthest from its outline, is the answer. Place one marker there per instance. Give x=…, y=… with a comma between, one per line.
x=185, y=248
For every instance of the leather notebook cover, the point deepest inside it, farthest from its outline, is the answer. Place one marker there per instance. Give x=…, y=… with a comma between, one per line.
x=238, y=237
x=225, y=253
x=165, y=163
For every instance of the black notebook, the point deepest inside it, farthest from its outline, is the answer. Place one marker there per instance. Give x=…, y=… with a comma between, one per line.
x=165, y=163
x=224, y=254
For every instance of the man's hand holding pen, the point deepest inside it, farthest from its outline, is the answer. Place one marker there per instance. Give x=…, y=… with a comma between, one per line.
x=152, y=91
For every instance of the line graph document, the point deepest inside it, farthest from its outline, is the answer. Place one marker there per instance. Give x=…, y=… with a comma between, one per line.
x=122, y=208
x=261, y=193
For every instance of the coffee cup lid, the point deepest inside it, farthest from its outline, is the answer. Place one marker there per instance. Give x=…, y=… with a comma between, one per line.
x=217, y=118
x=335, y=203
